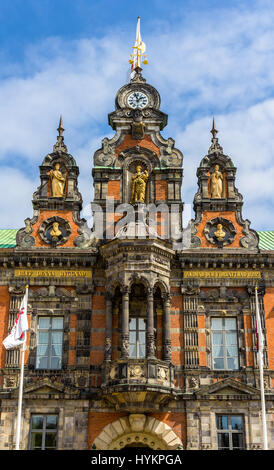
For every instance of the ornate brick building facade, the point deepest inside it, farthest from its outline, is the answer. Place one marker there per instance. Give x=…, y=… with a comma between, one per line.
x=137, y=337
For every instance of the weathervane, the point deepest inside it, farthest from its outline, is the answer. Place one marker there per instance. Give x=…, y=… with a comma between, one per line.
x=139, y=50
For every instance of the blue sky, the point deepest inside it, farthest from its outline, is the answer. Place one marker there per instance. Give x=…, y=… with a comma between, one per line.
x=70, y=57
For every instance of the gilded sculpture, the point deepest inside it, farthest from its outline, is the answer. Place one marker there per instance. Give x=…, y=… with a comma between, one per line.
x=216, y=183
x=57, y=182
x=55, y=232
x=219, y=234
x=139, y=181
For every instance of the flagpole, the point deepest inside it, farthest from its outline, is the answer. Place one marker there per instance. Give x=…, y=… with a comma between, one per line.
x=19, y=412
x=261, y=368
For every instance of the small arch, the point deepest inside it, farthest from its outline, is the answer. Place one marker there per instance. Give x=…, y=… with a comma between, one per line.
x=162, y=286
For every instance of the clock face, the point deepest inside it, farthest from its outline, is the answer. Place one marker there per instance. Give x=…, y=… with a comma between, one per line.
x=137, y=99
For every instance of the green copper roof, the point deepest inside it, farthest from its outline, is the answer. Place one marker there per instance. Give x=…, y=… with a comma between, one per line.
x=266, y=240
x=8, y=239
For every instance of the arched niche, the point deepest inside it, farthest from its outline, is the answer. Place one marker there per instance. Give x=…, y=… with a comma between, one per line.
x=137, y=429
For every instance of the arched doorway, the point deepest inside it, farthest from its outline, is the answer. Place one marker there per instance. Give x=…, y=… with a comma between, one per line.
x=137, y=430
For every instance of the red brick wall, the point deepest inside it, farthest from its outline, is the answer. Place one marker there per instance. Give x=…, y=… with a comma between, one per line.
x=208, y=215
x=45, y=214
x=129, y=142
x=269, y=323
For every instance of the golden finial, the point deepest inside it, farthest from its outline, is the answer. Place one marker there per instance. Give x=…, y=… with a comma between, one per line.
x=139, y=50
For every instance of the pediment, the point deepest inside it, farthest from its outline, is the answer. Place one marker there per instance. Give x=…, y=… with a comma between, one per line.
x=229, y=387
x=46, y=387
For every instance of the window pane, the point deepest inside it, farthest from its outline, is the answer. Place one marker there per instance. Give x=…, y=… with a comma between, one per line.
x=41, y=362
x=217, y=338
x=132, y=350
x=216, y=323
x=44, y=322
x=37, y=422
x=237, y=440
x=236, y=422
x=231, y=351
x=222, y=422
x=230, y=323
x=232, y=363
x=142, y=324
x=50, y=441
x=132, y=324
x=218, y=351
x=36, y=440
x=223, y=440
x=56, y=350
x=231, y=339
x=42, y=350
x=132, y=337
x=218, y=364
x=142, y=337
x=43, y=337
x=51, y=422
x=142, y=351
x=55, y=363
x=57, y=337
x=57, y=323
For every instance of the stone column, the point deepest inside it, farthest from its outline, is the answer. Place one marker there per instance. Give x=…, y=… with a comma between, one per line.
x=108, y=340
x=166, y=329
x=125, y=323
x=150, y=325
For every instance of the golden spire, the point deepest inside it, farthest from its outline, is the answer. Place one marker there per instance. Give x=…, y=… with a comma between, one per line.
x=139, y=50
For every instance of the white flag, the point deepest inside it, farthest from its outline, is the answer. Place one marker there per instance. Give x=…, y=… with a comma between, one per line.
x=18, y=335
x=260, y=336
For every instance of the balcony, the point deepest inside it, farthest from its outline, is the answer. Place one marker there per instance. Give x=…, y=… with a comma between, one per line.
x=141, y=374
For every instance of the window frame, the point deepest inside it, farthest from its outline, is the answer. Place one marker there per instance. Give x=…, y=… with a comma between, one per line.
x=224, y=331
x=231, y=431
x=137, y=343
x=43, y=430
x=50, y=331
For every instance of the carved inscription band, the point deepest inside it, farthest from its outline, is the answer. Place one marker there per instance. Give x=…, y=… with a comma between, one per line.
x=52, y=273
x=223, y=274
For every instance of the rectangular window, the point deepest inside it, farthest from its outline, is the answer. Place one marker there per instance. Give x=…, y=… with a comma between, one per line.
x=224, y=343
x=50, y=342
x=230, y=432
x=43, y=432
x=137, y=337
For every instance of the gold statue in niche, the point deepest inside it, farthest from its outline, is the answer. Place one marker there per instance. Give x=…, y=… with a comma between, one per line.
x=57, y=182
x=216, y=183
x=139, y=181
x=219, y=234
x=55, y=232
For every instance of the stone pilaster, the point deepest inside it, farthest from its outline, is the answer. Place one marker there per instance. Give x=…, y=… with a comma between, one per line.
x=166, y=329
x=125, y=323
x=108, y=339
x=150, y=325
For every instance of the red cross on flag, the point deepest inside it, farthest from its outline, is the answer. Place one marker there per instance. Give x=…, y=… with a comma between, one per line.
x=18, y=335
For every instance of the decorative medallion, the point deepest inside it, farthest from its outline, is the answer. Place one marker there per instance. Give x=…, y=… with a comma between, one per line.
x=162, y=374
x=136, y=371
x=220, y=231
x=55, y=231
